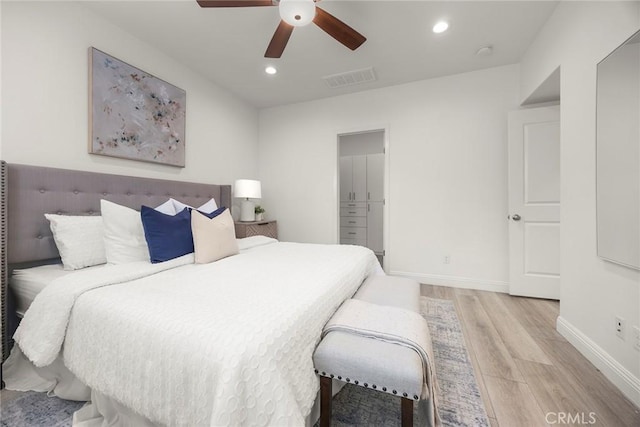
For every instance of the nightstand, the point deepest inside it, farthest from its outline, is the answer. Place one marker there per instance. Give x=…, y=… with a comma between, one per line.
x=257, y=228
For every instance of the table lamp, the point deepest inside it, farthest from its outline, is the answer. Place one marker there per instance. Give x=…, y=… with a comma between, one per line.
x=247, y=189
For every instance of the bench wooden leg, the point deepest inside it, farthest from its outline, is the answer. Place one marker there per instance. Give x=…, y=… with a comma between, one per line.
x=325, y=402
x=407, y=412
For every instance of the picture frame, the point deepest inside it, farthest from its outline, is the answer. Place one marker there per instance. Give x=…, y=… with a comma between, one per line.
x=133, y=114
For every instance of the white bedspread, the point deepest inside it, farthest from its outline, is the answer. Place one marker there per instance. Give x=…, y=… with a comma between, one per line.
x=227, y=343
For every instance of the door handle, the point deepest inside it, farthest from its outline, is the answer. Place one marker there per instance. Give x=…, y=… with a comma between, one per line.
x=516, y=217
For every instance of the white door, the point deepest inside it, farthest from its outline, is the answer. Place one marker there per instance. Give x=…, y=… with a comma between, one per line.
x=534, y=202
x=346, y=178
x=375, y=177
x=359, y=178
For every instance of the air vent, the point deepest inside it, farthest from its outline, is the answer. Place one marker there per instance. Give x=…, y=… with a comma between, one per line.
x=350, y=78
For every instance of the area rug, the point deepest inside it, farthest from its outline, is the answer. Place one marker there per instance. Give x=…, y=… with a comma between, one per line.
x=460, y=403
x=35, y=409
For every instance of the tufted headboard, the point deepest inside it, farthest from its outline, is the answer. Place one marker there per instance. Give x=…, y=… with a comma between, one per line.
x=28, y=192
x=4, y=273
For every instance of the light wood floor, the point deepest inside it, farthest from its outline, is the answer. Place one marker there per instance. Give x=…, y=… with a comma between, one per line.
x=528, y=374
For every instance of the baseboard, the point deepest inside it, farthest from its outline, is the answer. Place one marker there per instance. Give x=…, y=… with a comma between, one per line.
x=626, y=382
x=456, y=281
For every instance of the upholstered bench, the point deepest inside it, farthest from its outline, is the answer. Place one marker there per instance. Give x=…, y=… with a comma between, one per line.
x=370, y=363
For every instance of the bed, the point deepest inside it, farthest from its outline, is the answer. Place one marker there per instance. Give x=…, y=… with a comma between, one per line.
x=174, y=343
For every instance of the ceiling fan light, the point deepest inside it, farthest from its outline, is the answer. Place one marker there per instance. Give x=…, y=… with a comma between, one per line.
x=297, y=12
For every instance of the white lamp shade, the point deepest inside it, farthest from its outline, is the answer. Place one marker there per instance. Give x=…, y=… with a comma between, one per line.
x=297, y=12
x=247, y=188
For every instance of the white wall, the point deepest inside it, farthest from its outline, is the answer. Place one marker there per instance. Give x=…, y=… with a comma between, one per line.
x=45, y=98
x=448, y=171
x=577, y=36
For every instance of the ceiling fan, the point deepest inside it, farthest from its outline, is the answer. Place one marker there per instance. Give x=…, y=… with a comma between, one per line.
x=296, y=13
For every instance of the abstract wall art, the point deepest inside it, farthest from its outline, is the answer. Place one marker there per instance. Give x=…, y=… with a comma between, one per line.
x=134, y=115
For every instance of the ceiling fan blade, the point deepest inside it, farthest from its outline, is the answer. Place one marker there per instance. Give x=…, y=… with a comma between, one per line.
x=279, y=40
x=338, y=29
x=234, y=3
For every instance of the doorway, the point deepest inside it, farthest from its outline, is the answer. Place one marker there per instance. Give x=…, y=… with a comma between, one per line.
x=361, y=183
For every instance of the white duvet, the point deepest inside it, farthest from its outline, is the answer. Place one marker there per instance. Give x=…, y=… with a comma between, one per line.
x=227, y=343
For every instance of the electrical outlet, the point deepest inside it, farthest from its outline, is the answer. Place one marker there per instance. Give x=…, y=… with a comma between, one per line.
x=447, y=259
x=636, y=338
x=620, y=327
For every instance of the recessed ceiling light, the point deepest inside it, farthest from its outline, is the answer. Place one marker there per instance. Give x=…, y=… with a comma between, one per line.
x=270, y=70
x=440, y=27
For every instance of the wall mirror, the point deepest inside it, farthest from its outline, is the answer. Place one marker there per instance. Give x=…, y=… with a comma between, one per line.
x=618, y=155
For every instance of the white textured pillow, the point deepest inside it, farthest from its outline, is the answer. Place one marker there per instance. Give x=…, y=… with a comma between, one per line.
x=123, y=234
x=213, y=239
x=80, y=240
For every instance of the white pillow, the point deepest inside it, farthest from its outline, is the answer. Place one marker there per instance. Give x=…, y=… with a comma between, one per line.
x=167, y=208
x=173, y=206
x=213, y=239
x=80, y=240
x=208, y=207
x=123, y=234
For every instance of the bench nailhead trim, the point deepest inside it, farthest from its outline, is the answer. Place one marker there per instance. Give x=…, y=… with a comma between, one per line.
x=415, y=396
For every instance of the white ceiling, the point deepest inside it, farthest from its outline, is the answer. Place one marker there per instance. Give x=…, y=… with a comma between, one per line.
x=227, y=45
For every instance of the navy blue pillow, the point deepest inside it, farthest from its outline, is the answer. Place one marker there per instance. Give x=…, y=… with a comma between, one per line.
x=214, y=213
x=168, y=236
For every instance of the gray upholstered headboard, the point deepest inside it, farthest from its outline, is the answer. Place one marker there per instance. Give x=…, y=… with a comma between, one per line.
x=28, y=192
x=4, y=270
